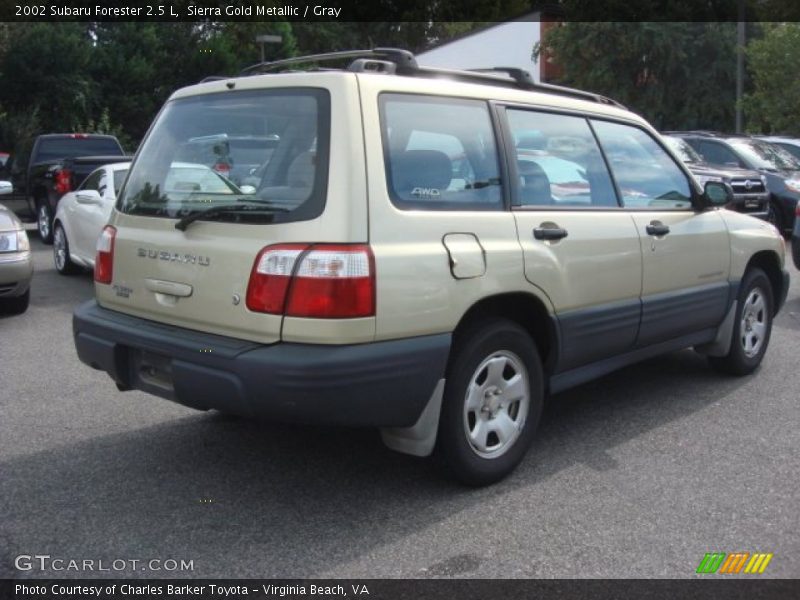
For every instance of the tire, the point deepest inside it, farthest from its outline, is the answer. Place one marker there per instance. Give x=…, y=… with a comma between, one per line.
x=61, y=257
x=44, y=221
x=17, y=305
x=775, y=216
x=752, y=326
x=487, y=360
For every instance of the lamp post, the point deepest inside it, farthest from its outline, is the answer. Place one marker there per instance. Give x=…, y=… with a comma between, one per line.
x=267, y=39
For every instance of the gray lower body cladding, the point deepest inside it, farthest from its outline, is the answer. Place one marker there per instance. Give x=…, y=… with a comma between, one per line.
x=380, y=384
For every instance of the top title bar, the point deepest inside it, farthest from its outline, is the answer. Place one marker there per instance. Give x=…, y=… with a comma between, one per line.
x=398, y=11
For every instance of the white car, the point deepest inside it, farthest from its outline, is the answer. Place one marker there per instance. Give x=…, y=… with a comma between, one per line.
x=81, y=216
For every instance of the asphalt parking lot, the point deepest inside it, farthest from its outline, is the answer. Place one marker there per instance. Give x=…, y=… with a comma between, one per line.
x=638, y=474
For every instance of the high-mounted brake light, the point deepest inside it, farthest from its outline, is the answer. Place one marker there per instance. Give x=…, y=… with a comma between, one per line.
x=331, y=281
x=104, y=260
x=79, y=136
x=63, y=181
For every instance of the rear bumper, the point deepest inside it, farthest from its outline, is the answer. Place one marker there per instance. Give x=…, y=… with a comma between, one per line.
x=381, y=384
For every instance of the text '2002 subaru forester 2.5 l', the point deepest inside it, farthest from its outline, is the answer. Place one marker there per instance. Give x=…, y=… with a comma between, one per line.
x=422, y=251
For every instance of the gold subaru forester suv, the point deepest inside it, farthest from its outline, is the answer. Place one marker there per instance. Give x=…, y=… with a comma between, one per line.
x=428, y=252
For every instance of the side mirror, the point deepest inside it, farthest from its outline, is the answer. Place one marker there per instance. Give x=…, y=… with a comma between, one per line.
x=6, y=188
x=88, y=197
x=718, y=193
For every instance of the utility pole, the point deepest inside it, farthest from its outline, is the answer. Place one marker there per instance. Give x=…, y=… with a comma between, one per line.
x=740, y=41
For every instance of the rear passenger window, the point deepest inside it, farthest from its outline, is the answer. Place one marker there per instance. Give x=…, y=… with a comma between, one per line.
x=440, y=153
x=558, y=161
x=647, y=177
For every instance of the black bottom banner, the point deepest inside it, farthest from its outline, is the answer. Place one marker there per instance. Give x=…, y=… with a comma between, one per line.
x=401, y=589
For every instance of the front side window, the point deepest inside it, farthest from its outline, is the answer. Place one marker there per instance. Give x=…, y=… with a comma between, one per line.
x=256, y=156
x=646, y=176
x=558, y=161
x=119, y=179
x=440, y=153
x=92, y=182
x=718, y=154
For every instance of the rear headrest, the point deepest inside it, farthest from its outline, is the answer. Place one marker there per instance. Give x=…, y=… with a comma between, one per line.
x=421, y=170
x=536, y=184
x=301, y=171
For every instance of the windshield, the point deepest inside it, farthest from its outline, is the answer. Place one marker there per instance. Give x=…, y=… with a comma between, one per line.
x=265, y=147
x=684, y=151
x=764, y=155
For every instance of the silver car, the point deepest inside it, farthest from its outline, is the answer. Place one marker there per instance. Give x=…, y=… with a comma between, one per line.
x=16, y=263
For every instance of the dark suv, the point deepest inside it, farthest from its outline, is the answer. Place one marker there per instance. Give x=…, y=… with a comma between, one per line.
x=750, y=195
x=781, y=169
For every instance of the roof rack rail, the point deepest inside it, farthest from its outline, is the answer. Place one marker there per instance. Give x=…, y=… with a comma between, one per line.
x=402, y=62
x=524, y=80
x=404, y=59
x=213, y=78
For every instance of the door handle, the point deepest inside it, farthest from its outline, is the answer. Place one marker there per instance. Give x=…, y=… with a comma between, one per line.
x=549, y=233
x=657, y=228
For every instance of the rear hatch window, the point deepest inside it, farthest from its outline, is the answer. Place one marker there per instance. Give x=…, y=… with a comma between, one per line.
x=240, y=157
x=52, y=149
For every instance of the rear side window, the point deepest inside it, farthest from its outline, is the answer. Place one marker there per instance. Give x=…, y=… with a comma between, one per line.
x=259, y=156
x=558, y=161
x=647, y=177
x=440, y=153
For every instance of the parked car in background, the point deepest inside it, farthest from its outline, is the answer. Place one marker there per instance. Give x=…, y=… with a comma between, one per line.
x=58, y=164
x=16, y=263
x=780, y=168
x=750, y=195
x=237, y=157
x=796, y=238
x=81, y=216
x=790, y=144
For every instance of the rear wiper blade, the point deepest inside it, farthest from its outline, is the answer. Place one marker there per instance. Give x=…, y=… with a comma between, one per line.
x=227, y=208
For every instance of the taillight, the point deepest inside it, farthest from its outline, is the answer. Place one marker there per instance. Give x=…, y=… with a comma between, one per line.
x=331, y=281
x=63, y=181
x=104, y=260
x=222, y=168
x=797, y=209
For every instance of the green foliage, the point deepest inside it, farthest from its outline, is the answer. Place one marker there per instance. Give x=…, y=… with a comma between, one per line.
x=18, y=131
x=677, y=75
x=113, y=77
x=774, y=61
x=46, y=65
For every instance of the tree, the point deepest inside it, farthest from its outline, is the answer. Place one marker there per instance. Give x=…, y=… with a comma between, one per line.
x=46, y=65
x=677, y=75
x=773, y=61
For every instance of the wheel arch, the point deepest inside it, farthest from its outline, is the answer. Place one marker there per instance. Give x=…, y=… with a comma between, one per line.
x=769, y=262
x=525, y=309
